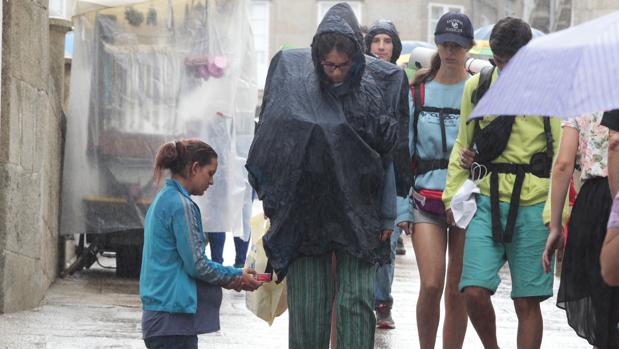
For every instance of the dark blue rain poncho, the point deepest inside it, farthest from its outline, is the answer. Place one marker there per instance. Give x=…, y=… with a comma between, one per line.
x=320, y=152
x=384, y=26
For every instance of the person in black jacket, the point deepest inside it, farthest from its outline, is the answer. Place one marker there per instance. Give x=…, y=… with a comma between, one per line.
x=322, y=164
x=383, y=41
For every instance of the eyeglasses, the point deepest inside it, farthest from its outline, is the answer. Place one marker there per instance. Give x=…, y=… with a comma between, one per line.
x=331, y=67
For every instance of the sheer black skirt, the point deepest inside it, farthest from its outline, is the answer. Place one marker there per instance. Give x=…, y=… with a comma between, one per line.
x=590, y=304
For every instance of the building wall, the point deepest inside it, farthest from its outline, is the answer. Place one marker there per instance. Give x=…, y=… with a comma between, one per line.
x=294, y=22
x=585, y=10
x=29, y=157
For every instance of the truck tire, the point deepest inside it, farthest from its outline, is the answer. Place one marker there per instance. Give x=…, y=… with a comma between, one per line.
x=129, y=261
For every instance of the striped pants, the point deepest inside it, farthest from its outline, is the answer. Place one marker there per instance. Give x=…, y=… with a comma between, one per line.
x=311, y=290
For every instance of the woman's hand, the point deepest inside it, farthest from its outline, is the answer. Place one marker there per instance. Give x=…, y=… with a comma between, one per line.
x=245, y=282
x=407, y=227
x=554, y=242
x=385, y=235
x=248, y=280
x=467, y=157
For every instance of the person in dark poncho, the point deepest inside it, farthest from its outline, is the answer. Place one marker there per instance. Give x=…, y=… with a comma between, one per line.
x=322, y=164
x=382, y=41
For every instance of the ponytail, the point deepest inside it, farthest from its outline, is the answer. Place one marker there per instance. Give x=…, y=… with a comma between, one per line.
x=177, y=156
x=426, y=74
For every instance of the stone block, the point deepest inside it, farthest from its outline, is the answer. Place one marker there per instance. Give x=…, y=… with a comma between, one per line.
x=28, y=48
x=21, y=224
x=24, y=285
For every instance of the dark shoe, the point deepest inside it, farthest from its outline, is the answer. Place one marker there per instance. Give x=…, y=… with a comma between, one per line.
x=399, y=249
x=383, y=317
x=240, y=266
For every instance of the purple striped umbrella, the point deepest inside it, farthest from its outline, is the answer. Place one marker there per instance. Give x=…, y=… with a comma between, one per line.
x=565, y=74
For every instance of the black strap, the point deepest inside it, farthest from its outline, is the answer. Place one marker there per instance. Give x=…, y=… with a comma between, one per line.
x=549, y=139
x=418, y=107
x=520, y=171
x=423, y=166
x=442, y=112
x=485, y=80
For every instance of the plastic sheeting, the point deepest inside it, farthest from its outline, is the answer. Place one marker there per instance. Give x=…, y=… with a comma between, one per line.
x=319, y=156
x=146, y=74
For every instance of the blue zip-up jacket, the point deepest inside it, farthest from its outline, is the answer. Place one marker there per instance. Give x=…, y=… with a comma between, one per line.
x=429, y=144
x=174, y=254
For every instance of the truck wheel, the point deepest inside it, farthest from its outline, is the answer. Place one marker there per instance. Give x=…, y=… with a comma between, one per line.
x=129, y=261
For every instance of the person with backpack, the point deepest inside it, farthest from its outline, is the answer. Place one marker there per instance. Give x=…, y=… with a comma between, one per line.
x=434, y=122
x=382, y=40
x=508, y=226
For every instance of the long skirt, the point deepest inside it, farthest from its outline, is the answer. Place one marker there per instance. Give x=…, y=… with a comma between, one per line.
x=590, y=304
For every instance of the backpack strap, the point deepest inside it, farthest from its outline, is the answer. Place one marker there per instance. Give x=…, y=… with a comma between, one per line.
x=485, y=80
x=419, y=91
x=549, y=139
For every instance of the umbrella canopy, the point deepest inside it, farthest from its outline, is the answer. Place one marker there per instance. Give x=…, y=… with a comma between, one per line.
x=566, y=73
x=482, y=41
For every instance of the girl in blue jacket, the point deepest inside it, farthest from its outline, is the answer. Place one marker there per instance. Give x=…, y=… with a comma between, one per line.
x=180, y=287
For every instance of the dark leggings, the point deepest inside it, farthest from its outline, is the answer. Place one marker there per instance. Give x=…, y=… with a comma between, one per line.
x=217, y=241
x=172, y=342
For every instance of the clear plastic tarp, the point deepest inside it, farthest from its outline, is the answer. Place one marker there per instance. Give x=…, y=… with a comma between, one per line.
x=148, y=73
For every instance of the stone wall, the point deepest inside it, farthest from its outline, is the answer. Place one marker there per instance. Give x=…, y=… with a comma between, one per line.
x=30, y=153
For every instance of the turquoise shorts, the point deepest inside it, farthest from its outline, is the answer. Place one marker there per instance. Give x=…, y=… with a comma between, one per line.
x=483, y=258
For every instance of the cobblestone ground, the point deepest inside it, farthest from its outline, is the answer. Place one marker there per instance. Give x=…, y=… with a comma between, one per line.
x=94, y=309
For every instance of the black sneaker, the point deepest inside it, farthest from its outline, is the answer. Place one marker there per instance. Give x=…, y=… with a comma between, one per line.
x=384, y=320
x=399, y=249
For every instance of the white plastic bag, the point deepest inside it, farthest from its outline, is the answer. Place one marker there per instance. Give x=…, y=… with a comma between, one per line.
x=270, y=300
x=463, y=204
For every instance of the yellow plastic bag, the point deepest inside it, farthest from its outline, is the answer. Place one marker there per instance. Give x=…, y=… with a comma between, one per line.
x=270, y=300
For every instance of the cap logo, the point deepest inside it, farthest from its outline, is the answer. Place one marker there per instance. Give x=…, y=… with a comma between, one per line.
x=454, y=25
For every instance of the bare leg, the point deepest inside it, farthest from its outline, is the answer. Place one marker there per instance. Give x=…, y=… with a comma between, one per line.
x=481, y=313
x=456, y=320
x=530, y=323
x=430, y=243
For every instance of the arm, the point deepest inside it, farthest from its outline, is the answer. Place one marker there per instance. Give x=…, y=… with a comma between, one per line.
x=610, y=119
x=402, y=156
x=190, y=244
x=456, y=174
x=560, y=183
x=609, y=257
x=388, y=214
x=562, y=172
x=404, y=218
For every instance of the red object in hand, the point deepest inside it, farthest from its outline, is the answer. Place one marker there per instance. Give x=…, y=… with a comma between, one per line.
x=263, y=277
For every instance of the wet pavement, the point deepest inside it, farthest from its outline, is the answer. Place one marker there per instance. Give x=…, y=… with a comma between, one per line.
x=94, y=309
